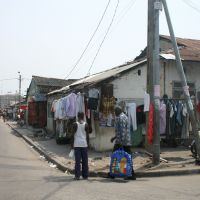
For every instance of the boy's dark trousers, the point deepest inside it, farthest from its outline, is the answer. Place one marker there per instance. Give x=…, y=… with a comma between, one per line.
x=81, y=154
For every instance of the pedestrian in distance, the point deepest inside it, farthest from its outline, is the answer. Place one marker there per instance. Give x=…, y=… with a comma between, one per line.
x=4, y=115
x=122, y=136
x=80, y=143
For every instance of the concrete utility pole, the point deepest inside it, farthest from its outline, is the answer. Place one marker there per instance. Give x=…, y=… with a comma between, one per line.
x=20, y=80
x=153, y=70
x=183, y=81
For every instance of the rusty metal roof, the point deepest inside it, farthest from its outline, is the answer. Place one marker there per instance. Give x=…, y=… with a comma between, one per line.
x=189, y=48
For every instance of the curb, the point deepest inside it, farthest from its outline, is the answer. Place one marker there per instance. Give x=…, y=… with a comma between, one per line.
x=139, y=174
x=162, y=173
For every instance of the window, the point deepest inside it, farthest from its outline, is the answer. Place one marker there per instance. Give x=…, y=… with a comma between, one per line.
x=177, y=89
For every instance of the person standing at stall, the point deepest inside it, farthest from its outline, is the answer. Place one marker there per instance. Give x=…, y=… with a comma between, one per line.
x=80, y=142
x=122, y=135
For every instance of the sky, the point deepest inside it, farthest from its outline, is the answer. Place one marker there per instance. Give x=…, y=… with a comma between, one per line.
x=47, y=37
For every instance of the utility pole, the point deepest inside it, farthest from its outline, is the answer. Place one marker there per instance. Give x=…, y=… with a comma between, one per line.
x=153, y=71
x=20, y=80
x=183, y=81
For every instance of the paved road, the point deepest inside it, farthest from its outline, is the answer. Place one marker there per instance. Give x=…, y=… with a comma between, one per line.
x=25, y=176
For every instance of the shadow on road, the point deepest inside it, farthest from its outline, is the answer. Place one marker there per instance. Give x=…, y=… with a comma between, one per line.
x=15, y=133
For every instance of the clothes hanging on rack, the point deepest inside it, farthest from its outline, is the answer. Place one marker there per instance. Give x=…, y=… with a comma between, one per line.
x=177, y=119
x=93, y=96
x=162, y=118
x=146, y=102
x=70, y=105
x=132, y=118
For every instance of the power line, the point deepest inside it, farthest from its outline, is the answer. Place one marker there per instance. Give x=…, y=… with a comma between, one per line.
x=121, y=15
x=125, y=11
x=89, y=40
x=192, y=5
x=8, y=79
x=104, y=37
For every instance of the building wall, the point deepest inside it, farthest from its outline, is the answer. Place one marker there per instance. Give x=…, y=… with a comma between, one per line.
x=101, y=141
x=165, y=45
x=32, y=89
x=171, y=74
x=193, y=73
x=131, y=85
x=128, y=87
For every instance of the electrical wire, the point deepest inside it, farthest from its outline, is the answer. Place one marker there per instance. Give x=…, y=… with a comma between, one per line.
x=8, y=79
x=192, y=5
x=125, y=11
x=121, y=15
x=104, y=37
x=77, y=62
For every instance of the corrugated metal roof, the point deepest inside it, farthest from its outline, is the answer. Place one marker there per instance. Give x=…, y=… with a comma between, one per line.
x=51, y=82
x=107, y=74
x=95, y=78
x=189, y=48
x=168, y=56
x=60, y=90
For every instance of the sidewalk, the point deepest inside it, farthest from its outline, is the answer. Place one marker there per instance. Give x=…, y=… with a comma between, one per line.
x=175, y=161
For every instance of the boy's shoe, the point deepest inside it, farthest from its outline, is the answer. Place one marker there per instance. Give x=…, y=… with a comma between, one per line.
x=130, y=178
x=110, y=176
x=76, y=178
x=85, y=178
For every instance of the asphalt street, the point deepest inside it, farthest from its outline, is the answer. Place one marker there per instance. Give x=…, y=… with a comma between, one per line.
x=24, y=175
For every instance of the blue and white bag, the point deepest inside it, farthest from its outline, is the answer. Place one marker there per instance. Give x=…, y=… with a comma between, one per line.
x=121, y=164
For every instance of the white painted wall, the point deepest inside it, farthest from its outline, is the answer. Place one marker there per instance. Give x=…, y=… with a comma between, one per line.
x=131, y=85
x=101, y=141
x=50, y=124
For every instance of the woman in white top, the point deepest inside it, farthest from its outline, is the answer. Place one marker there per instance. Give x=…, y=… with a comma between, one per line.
x=80, y=145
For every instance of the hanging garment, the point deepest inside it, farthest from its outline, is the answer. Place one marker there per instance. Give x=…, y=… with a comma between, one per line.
x=179, y=113
x=53, y=106
x=173, y=112
x=64, y=102
x=80, y=106
x=60, y=109
x=179, y=118
x=93, y=98
x=93, y=93
x=132, y=118
x=150, y=124
x=109, y=120
x=61, y=129
x=56, y=115
x=108, y=104
x=162, y=118
x=168, y=107
x=141, y=118
x=185, y=120
x=92, y=103
x=146, y=102
x=70, y=105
